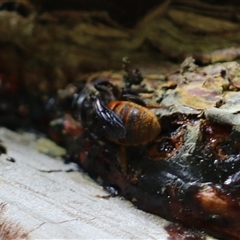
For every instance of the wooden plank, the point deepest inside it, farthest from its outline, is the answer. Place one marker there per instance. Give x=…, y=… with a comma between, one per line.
x=40, y=198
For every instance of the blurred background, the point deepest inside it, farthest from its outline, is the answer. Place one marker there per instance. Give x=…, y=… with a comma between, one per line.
x=46, y=44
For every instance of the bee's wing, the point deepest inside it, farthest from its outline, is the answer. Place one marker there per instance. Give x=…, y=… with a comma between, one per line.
x=111, y=123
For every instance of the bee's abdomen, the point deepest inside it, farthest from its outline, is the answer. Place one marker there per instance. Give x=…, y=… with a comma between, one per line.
x=141, y=124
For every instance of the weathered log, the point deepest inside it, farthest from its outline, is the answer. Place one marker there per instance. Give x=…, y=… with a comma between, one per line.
x=186, y=169
x=43, y=198
x=49, y=49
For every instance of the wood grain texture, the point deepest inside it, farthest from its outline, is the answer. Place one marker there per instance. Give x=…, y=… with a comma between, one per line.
x=45, y=201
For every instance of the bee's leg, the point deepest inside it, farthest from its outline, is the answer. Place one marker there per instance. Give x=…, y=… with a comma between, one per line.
x=134, y=98
x=103, y=85
x=107, y=90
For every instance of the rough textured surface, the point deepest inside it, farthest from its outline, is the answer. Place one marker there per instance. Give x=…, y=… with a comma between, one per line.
x=39, y=198
x=190, y=171
x=50, y=47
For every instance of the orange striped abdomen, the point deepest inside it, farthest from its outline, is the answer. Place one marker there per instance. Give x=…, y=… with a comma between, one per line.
x=141, y=124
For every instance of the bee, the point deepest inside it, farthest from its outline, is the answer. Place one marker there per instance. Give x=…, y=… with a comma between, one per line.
x=124, y=122
x=140, y=123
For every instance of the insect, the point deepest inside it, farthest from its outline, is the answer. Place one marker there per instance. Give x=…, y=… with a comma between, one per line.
x=106, y=112
x=133, y=76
